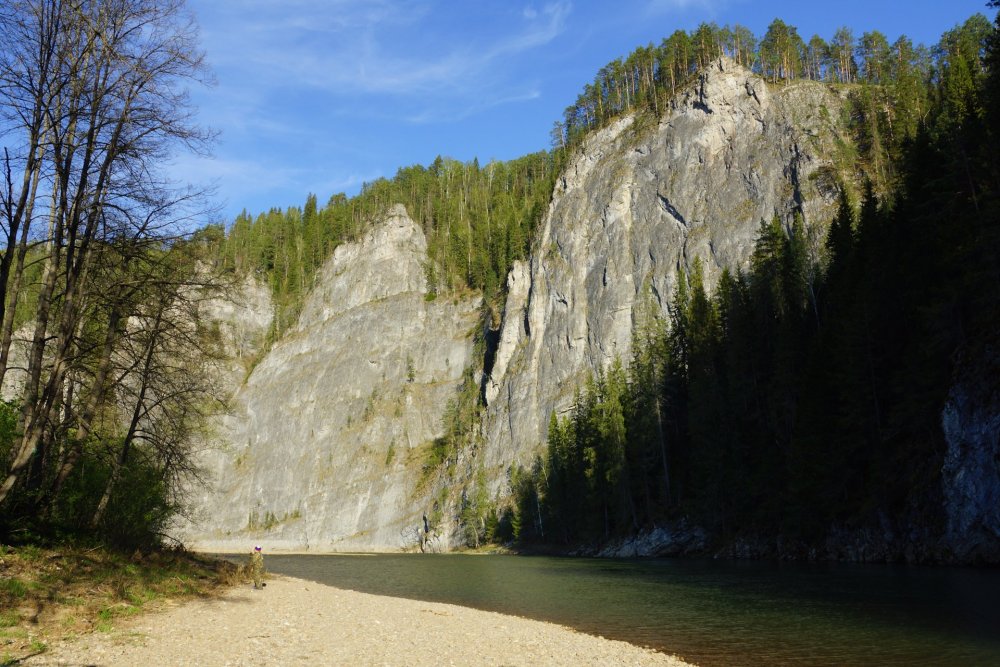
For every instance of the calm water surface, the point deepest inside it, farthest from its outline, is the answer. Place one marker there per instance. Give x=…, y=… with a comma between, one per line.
x=709, y=612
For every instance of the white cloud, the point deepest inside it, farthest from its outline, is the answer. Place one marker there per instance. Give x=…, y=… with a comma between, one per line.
x=243, y=181
x=438, y=114
x=353, y=46
x=306, y=86
x=552, y=23
x=660, y=6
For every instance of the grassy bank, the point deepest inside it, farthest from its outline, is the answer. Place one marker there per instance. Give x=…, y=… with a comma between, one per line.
x=49, y=593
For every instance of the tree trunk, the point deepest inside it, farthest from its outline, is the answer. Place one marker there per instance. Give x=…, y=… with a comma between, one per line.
x=89, y=411
x=9, y=305
x=137, y=413
x=663, y=448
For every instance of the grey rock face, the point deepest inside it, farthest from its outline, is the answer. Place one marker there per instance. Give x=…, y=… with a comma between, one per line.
x=514, y=329
x=328, y=433
x=244, y=317
x=243, y=314
x=677, y=539
x=637, y=204
x=970, y=477
x=17, y=363
x=325, y=442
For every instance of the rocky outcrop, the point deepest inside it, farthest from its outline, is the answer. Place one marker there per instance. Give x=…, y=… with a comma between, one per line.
x=328, y=434
x=514, y=329
x=639, y=201
x=243, y=313
x=677, y=539
x=325, y=443
x=330, y=428
x=970, y=477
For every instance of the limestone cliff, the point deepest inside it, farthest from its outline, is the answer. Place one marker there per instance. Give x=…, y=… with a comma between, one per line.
x=328, y=434
x=323, y=447
x=638, y=202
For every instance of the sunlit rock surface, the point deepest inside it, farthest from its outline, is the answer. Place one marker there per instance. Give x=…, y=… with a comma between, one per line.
x=324, y=446
x=639, y=201
x=328, y=432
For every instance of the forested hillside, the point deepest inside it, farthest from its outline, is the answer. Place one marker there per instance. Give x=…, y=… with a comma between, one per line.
x=477, y=221
x=803, y=395
x=802, y=399
x=891, y=92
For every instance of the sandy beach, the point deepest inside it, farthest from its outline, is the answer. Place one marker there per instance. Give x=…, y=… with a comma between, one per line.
x=297, y=622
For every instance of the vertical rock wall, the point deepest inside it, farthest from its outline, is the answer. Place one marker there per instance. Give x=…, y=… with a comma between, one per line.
x=638, y=202
x=326, y=440
x=328, y=434
x=971, y=474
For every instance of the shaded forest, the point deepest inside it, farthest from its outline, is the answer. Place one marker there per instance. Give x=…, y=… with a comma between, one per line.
x=801, y=398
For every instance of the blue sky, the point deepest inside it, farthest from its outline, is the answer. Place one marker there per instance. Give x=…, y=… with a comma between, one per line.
x=321, y=96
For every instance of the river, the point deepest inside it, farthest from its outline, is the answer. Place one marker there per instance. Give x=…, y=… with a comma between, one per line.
x=712, y=613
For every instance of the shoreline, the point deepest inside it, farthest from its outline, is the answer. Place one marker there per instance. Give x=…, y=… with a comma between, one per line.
x=295, y=621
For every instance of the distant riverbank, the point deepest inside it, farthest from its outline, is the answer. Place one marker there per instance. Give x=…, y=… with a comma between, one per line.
x=297, y=622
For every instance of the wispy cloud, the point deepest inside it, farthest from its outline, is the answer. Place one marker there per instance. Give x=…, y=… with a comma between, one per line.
x=360, y=47
x=305, y=85
x=542, y=28
x=661, y=6
x=239, y=180
x=438, y=114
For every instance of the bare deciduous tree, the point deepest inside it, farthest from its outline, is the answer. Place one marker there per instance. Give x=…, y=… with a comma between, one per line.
x=94, y=98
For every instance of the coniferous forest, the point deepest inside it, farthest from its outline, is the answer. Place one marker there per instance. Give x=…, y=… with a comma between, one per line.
x=478, y=220
x=799, y=396
x=796, y=397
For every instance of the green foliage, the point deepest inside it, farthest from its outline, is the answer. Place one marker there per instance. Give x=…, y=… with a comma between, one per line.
x=891, y=85
x=477, y=513
x=140, y=506
x=526, y=521
x=460, y=419
x=584, y=490
x=12, y=589
x=806, y=393
x=390, y=454
x=257, y=521
x=8, y=428
x=110, y=466
x=72, y=589
x=369, y=410
x=477, y=220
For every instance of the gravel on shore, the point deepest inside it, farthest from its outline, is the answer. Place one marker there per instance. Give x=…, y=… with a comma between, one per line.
x=298, y=622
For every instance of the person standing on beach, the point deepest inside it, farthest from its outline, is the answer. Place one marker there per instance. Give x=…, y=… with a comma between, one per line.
x=257, y=568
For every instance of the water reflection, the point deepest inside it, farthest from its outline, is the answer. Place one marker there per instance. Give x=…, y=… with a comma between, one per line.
x=710, y=612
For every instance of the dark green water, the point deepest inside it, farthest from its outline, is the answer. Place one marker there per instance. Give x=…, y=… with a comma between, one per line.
x=709, y=612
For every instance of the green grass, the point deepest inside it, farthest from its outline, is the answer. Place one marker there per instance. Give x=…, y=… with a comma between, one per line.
x=77, y=590
x=13, y=588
